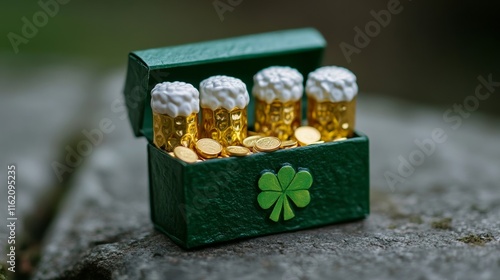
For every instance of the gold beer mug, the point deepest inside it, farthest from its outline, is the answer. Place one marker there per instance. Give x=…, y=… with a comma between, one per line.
x=278, y=92
x=175, y=108
x=224, y=114
x=331, y=94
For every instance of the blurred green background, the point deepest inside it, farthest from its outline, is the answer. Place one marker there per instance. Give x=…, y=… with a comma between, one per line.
x=432, y=51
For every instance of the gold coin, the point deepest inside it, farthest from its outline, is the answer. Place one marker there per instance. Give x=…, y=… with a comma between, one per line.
x=289, y=144
x=249, y=142
x=340, y=139
x=267, y=144
x=208, y=148
x=306, y=135
x=171, y=154
x=317, y=142
x=185, y=154
x=237, y=151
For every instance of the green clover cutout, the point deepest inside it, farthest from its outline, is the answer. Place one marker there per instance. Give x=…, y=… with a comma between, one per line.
x=279, y=188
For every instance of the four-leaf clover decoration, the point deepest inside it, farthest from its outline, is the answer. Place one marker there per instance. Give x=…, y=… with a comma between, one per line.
x=279, y=188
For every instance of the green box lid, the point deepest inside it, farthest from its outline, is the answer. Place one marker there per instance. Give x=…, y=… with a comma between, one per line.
x=240, y=57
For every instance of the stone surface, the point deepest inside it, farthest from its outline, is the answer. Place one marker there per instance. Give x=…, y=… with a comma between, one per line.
x=103, y=230
x=42, y=110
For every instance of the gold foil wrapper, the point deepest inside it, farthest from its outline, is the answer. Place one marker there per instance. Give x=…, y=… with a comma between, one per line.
x=334, y=120
x=277, y=119
x=171, y=132
x=228, y=127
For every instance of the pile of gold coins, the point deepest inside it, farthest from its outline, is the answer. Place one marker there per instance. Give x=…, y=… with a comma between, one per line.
x=221, y=129
x=207, y=148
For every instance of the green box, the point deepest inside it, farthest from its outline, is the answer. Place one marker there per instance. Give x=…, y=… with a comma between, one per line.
x=217, y=200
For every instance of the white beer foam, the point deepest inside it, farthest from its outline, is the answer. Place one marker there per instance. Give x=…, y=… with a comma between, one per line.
x=281, y=83
x=331, y=83
x=175, y=99
x=223, y=92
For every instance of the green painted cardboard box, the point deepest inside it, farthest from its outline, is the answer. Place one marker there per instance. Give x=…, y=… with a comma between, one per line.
x=222, y=199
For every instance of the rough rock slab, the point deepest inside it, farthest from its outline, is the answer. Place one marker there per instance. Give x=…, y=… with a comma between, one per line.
x=441, y=223
x=42, y=108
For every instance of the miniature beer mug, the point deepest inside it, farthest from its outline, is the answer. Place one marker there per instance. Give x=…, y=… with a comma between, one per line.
x=223, y=110
x=278, y=92
x=331, y=93
x=175, y=108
